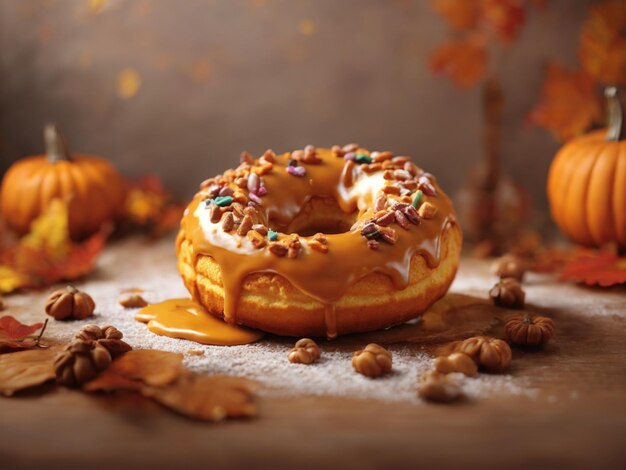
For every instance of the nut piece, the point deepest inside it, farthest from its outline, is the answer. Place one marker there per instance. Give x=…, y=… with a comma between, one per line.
x=80, y=362
x=305, y=351
x=68, y=303
x=529, y=331
x=438, y=387
x=508, y=293
x=373, y=361
x=490, y=353
x=107, y=336
x=427, y=210
x=132, y=300
x=456, y=362
x=509, y=266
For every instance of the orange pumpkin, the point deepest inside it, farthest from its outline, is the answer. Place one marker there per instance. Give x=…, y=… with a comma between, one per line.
x=91, y=186
x=587, y=183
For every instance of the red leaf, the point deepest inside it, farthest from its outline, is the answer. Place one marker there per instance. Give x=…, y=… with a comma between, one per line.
x=603, y=269
x=12, y=329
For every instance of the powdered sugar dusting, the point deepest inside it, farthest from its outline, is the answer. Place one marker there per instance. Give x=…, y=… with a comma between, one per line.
x=151, y=266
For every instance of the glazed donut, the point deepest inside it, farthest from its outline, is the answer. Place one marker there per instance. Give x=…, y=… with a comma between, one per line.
x=319, y=242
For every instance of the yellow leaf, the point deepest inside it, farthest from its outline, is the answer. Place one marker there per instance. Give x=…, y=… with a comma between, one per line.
x=50, y=231
x=10, y=279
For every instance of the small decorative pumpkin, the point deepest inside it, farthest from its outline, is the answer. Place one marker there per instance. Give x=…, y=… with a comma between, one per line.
x=91, y=186
x=587, y=183
x=69, y=303
x=529, y=331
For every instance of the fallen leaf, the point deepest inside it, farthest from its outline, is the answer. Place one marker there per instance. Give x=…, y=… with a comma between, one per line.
x=602, y=50
x=46, y=254
x=12, y=329
x=138, y=368
x=464, y=61
x=25, y=369
x=207, y=398
x=602, y=269
x=568, y=104
x=460, y=15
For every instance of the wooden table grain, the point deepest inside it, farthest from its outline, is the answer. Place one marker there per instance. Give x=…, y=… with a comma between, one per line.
x=576, y=420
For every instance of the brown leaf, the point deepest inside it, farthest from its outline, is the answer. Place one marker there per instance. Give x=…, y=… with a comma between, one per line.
x=207, y=398
x=137, y=368
x=464, y=61
x=25, y=369
x=568, y=104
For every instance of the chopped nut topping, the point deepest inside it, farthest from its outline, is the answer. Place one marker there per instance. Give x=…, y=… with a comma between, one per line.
x=318, y=246
x=258, y=240
x=294, y=246
x=260, y=228
x=320, y=237
x=278, y=249
x=411, y=213
x=229, y=222
x=373, y=245
x=350, y=147
x=402, y=175
x=380, y=203
x=391, y=190
x=427, y=210
x=253, y=182
x=269, y=156
x=389, y=235
x=246, y=157
x=305, y=351
x=245, y=226
x=373, y=361
x=387, y=219
x=402, y=220
x=382, y=156
x=337, y=151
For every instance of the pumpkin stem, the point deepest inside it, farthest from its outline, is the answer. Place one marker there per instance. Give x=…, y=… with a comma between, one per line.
x=56, y=148
x=528, y=320
x=614, y=114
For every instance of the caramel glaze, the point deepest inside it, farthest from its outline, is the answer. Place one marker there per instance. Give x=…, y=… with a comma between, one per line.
x=323, y=276
x=184, y=318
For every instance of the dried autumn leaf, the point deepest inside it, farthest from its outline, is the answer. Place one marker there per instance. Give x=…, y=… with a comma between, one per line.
x=12, y=329
x=460, y=15
x=464, y=61
x=25, y=369
x=602, y=50
x=144, y=366
x=46, y=254
x=504, y=18
x=568, y=104
x=207, y=398
x=602, y=269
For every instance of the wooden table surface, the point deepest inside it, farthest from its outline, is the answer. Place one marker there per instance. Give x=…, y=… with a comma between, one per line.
x=577, y=420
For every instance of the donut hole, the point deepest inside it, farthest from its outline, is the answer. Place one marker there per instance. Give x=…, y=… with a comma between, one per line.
x=321, y=215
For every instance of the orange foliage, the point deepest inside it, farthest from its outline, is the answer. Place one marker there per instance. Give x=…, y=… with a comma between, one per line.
x=604, y=269
x=463, y=61
x=460, y=15
x=602, y=50
x=568, y=104
x=504, y=18
x=46, y=254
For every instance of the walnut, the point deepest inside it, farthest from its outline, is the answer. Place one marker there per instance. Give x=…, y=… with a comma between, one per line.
x=373, y=361
x=107, y=336
x=509, y=266
x=456, y=362
x=490, y=353
x=508, y=293
x=68, y=303
x=305, y=351
x=80, y=362
x=529, y=331
x=439, y=387
x=132, y=300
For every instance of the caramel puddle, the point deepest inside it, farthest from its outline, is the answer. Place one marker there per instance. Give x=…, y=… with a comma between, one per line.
x=185, y=319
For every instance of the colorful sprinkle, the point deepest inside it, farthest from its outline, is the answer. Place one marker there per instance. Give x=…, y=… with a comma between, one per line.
x=363, y=158
x=262, y=191
x=417, y=198
x=296, y=170
x=208, y=202
x=272, y=236
x=254, y=198
x=350, y=156
x=224, y=201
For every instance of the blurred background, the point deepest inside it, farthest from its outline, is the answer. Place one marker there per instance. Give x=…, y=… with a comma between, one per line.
x=179, y=89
